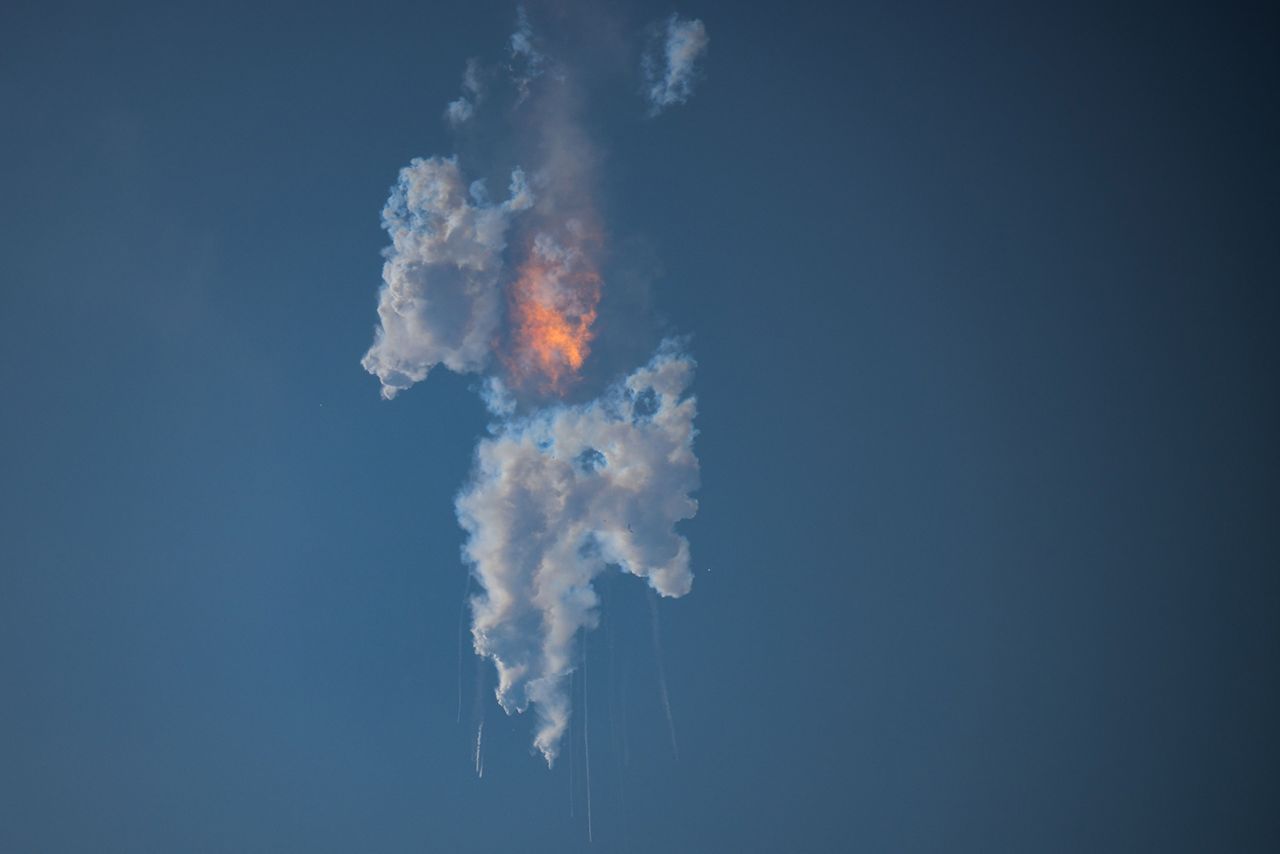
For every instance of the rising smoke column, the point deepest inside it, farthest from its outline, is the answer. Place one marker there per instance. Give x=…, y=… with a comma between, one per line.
x=559, y=492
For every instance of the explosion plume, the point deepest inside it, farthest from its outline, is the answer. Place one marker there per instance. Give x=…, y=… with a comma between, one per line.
x=553, y=306
x=559, y=492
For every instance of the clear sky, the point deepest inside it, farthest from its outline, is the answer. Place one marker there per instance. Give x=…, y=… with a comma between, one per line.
x=983, y=299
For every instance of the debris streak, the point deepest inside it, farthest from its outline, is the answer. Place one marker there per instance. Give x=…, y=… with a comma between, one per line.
x=586, y=734
x=662, y=673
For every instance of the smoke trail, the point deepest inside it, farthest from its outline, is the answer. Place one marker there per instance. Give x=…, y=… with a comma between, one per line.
x=511, y=290
x=609, y=617
x=586, y=734
x=477, y=715
x=662, y=673
x=626, y=740
x=572, y=763
x=462, y=618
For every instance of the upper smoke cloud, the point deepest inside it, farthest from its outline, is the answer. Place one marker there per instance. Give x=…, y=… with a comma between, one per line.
x=511, y=290
x=669, y=66
x=526, y=60
x=557, y=497
x=440, y=301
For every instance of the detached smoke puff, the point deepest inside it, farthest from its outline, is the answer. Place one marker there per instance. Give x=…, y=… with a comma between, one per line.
x=440, y=300
x=463, y=108
x=526, y=60
x=557, y=497
x=668, y=67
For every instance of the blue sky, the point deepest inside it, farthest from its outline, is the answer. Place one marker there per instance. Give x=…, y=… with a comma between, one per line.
x=983, y=303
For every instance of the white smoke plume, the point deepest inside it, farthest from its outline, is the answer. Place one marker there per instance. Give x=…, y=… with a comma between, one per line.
x=440, y=302
x=670, y=64
x=559, y=492
x=557, y=497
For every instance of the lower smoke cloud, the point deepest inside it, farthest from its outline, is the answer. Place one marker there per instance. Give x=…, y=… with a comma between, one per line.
x=558, y=496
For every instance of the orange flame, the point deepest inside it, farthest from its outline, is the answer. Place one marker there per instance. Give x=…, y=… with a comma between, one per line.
x=553, y=305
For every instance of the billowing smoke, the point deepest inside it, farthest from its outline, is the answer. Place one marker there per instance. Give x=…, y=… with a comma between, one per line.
x=560, y=491
x=670, y=63
x=441, y=301
x=558, y=496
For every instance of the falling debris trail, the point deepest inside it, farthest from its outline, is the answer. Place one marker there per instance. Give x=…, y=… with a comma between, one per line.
x=613, y=693
x=462, y=622
x=622, y=707
x=662, y=672
x=572, y=745
x=477, y=715
x=586, y=733
x=608, y=615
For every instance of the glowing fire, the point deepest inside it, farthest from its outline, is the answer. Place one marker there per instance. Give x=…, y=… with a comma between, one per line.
x=553, y=305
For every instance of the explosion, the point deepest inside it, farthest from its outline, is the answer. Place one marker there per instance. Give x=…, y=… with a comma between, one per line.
x=553, y=305
x=559, y=492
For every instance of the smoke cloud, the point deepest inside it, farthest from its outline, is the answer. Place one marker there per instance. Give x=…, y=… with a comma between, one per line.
x=440, y=301
x=669, y=65
x=557, y=497
x=462, y=109
x=560, y=491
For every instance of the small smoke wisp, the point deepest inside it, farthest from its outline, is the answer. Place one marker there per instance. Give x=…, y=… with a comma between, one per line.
x=459, y=111
x=564, y=487
x=669, y=65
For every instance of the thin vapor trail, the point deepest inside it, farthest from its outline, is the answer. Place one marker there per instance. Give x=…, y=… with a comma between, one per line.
x=608, y=616
x=572, y=751
x=586, y=732
x=622, y=706
x=462, y=622
x=662, y=672
x=477, y=714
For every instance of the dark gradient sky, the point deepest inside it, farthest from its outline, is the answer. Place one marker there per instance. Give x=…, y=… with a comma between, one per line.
x=984, y=299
